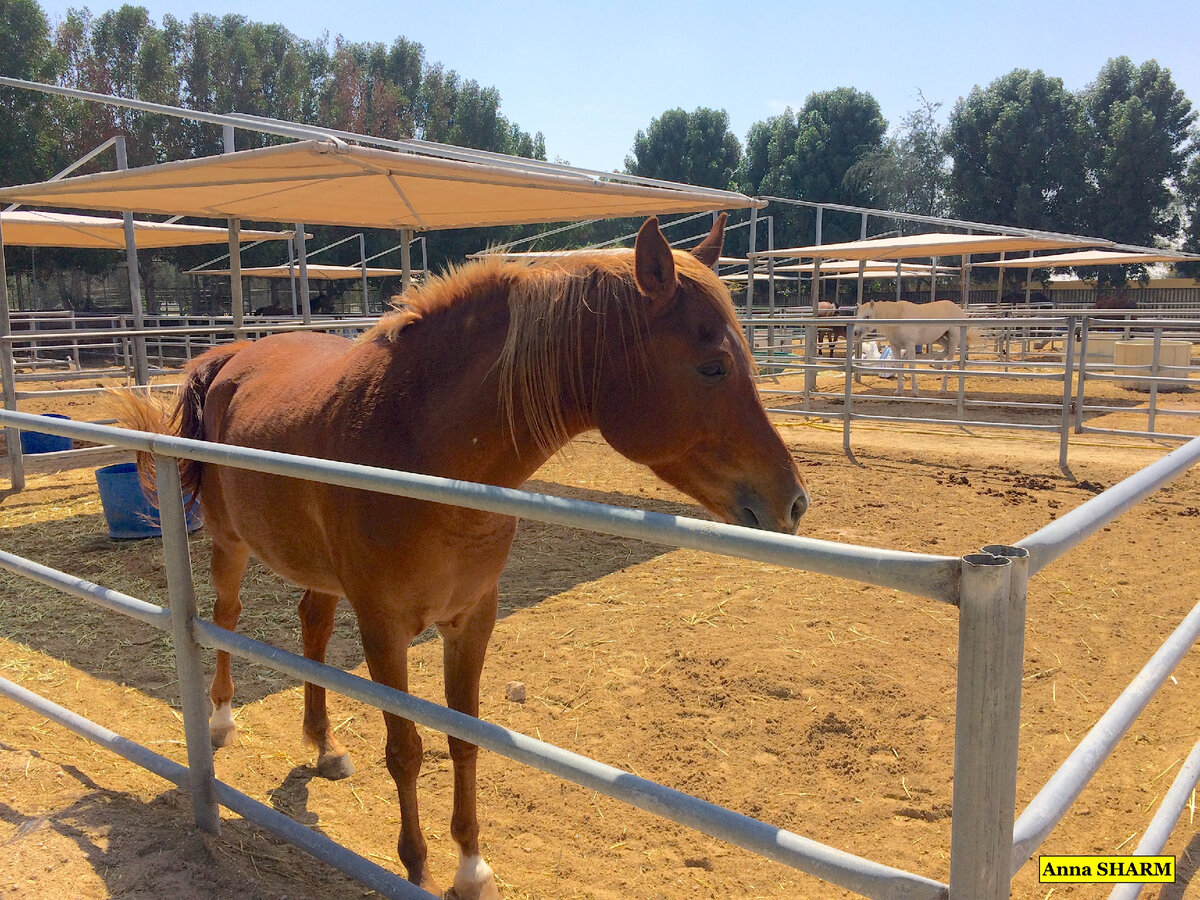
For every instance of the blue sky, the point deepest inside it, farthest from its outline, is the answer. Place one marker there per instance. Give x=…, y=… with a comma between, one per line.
x=590, y=75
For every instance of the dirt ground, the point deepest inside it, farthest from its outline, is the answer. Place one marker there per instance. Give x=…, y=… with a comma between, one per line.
x=819, y=705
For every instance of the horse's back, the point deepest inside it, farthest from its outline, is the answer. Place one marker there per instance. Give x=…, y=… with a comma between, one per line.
x=272, y=386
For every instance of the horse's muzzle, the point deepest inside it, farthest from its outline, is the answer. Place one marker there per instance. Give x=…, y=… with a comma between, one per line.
x=753, y=511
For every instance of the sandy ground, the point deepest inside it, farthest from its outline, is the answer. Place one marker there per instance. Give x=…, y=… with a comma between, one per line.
x=819, y=705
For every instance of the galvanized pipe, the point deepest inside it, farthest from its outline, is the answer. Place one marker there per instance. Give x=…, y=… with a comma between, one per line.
x=1066, y=784
x=1159, y=830
x=141, y=365
x=188, y=664
x=313, y=842
x=77, y=587
x=985, y=730
x=838, y=867
x=921, y=574
x=1049, y=543
x=8, y=381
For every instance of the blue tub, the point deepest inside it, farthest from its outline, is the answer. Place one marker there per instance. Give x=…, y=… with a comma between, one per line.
x=40, y=442
x=126, y=509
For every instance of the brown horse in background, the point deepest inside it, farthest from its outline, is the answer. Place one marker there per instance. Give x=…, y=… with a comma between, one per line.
x=829, y=333
x=643, y=346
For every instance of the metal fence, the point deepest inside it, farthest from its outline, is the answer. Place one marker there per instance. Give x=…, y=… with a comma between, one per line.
x=1066, y=352
x=989, y=589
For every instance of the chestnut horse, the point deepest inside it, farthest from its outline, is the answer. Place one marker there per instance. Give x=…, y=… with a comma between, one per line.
x=642, y=345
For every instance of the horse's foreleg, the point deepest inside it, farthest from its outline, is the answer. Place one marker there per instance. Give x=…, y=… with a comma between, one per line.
x=386, y=651
x=228, y=563
x=316, y=627
x=465, y=643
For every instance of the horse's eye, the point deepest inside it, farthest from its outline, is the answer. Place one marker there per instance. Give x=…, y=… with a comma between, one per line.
x=713, y=371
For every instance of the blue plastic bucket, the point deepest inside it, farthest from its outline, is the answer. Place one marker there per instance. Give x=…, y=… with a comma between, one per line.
x=126, y=509
x=40, y=442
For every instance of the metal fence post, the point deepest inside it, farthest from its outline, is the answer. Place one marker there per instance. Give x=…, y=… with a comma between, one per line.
x=12, y=437
x=187, y=652
x=1082, y=376
x=986, y=726
x=1064, y=426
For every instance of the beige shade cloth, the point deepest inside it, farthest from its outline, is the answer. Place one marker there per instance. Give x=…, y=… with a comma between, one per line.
x=321, y=273
x=34, y=228
x=323, y=182
x=838, y=266
x=936, y=244
x=1087, y=258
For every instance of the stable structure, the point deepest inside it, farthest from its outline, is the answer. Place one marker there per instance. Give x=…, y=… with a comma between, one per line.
x=37, y=228
x=324, y=178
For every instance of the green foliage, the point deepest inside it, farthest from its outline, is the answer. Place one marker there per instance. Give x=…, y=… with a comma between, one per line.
x=1189, y=197
x=909, y=172
x=27, y=53
x=1138, y=122
x=693, y=148
x=813, y=155
x=1018, y=150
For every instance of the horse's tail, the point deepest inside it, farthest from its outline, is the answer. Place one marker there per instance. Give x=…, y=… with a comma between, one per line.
x=142, y=412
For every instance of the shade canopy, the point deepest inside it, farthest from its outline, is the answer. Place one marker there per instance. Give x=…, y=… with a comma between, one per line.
x=831, y=267
x=332, y=183
x=914, y=246
x=1087, y=258
x=33, y=228
x=315, y=272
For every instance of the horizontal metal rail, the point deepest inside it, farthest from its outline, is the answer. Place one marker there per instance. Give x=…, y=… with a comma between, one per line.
x=926, y=575
x=848, y=870
x=1067, y=783
x=363, y=870
x=1160, y=828
x=856, y=873
x=25, y=337
x=1049, y=543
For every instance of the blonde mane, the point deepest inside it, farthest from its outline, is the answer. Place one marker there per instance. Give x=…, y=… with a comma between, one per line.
x=540, y=367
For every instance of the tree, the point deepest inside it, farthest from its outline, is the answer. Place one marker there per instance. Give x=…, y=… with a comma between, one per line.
x=1139, y=146
x=1018, y=155
x=1189, y=198
x=693, y=148
x=25, y=123
x=909, y=172
x=812, y=155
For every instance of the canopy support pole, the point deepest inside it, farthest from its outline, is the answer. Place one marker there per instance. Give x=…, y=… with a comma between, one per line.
x=16, y=462
x=302, y=253
x=236, y=303
x=141, y=366
x=406, y=237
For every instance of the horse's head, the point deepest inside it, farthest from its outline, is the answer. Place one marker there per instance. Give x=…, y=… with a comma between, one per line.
x=866, y=310
x=688, y=408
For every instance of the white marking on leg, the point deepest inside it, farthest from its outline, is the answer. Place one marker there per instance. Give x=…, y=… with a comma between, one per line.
x=222, y=718
x=472, y=872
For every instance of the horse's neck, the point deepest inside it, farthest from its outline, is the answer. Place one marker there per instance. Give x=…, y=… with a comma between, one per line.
x=441, y=378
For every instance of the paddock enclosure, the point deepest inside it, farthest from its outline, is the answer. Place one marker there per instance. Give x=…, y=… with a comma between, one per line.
x=817, y=704
x=860, y=726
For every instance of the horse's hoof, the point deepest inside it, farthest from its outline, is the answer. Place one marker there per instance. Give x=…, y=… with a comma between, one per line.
x=485, y=891
x=335, y=768
x=473, y=881
x=222, y=737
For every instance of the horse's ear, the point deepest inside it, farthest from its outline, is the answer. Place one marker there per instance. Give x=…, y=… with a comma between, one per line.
x=708, y=251
x=654, y=266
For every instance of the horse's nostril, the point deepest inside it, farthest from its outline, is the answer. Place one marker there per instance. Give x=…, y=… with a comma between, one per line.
x=799, y=508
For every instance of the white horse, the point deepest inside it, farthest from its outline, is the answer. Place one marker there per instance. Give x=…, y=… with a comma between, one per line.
x=930, y=324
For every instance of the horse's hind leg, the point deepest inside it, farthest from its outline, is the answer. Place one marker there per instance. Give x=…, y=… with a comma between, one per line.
x=316, y=626
x=228, y=563
x=465, y=643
